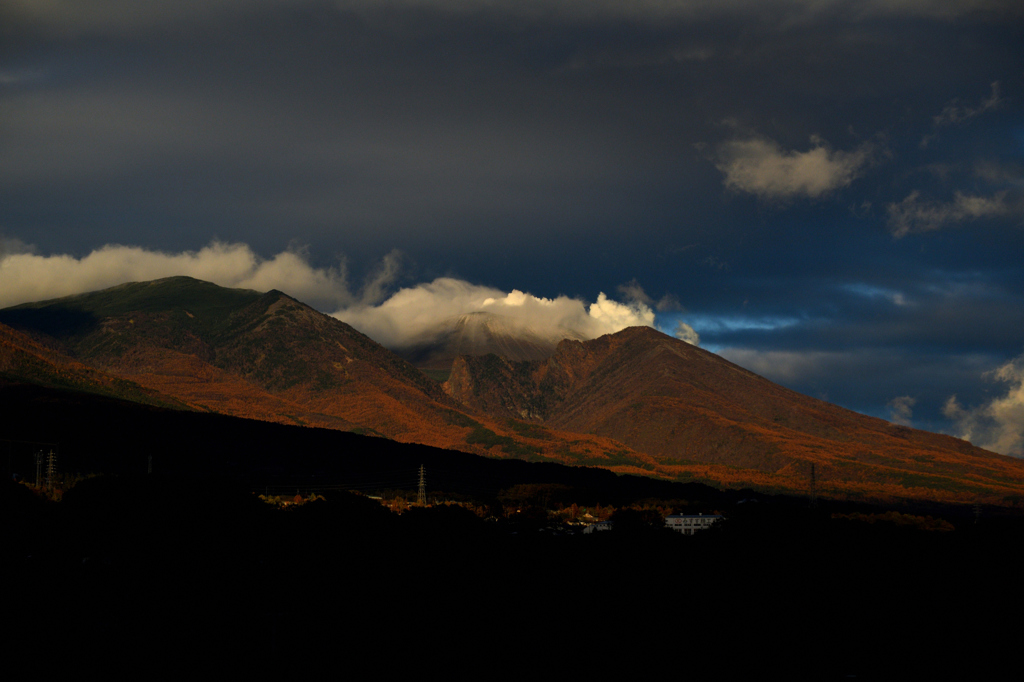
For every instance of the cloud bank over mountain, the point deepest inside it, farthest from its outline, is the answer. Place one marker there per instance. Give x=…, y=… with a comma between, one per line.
x=416, y=314
x=27, y=276
x=396, y=319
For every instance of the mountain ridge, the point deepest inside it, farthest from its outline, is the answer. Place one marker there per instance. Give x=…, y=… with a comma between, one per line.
x=685, y=406
x=636, y=401
x=271, y=357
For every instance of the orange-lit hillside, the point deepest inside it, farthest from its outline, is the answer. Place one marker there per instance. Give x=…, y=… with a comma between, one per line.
x=634, y=402
x=25, y=361
x=270, y=357
x=700, y=416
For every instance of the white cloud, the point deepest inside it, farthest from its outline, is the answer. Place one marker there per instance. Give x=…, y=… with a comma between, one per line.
x=901, y=410
x=761, y=166
x=408, y=316
x=418, y=314
x=617, y=316
x=913, y=215
x=998, y=425
x=26, y=276
x=685, y=332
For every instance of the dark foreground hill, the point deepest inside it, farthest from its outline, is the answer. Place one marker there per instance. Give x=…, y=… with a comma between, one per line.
x=157, y=570
x=186, y=567
x=98, y=434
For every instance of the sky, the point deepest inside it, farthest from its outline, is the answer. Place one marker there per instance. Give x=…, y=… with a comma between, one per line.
x=829, y=193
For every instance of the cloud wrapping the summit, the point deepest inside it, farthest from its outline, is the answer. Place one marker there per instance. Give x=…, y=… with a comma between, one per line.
x=27, y=276
x=408, y=316
x=418, y=314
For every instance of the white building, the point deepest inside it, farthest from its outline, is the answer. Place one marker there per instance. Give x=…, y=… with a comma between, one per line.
x=600, y=525
x=688, y=524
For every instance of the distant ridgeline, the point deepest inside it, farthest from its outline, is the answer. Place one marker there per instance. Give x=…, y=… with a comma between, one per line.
x=635, y=402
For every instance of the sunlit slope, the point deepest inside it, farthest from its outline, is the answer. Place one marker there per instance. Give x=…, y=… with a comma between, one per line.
x=268, y=356
x=236, y=351
x=25, y=361
x=697, y=414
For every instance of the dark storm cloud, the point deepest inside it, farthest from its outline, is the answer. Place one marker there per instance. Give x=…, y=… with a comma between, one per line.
x=377, y=131
x=831, y=187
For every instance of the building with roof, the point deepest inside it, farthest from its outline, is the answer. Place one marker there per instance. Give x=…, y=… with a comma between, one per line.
x=688, y=524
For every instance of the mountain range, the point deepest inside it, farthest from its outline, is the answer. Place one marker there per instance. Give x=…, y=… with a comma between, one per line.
x=637, y=401
x=195, y=345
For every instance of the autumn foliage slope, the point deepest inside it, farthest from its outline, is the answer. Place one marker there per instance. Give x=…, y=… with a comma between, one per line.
x=700, y=416
x=267, y=356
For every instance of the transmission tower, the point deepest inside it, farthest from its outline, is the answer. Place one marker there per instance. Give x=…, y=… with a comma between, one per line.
x=421, y=498
x=39, y=468
x=51, y=469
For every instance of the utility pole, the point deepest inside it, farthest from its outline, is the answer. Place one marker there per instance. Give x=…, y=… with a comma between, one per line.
x=39, y=468
x=421, y=498
x=149, y=466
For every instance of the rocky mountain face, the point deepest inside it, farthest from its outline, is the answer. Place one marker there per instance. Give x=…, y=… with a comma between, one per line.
x=685, y=406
